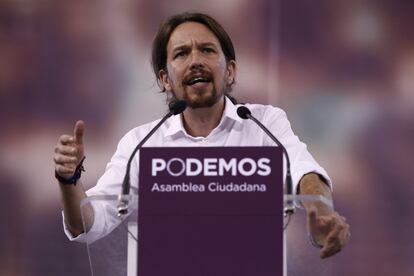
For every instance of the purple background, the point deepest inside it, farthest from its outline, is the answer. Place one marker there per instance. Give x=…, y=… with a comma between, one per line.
x=342, y=70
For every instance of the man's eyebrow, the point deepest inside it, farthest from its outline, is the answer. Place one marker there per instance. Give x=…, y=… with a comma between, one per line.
x=186, y=46
x=180, y=47
x=203, y=44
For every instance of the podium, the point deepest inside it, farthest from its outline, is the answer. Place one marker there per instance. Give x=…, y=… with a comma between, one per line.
x=204, y=212
x=117, y=252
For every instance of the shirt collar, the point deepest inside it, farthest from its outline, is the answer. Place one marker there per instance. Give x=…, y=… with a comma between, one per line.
x=176, y=123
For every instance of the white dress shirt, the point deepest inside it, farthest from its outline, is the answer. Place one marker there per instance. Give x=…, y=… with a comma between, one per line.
x=231, y=131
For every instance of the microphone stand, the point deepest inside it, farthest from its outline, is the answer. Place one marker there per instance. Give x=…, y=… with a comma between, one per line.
x=124, y=197
x=289, y=208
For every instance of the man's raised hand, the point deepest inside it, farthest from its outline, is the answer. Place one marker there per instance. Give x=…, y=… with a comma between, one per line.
x=69, y=151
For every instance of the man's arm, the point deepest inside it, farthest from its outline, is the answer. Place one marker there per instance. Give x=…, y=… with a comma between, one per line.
x=326, y=227
x=68, y=154
x=71, y=199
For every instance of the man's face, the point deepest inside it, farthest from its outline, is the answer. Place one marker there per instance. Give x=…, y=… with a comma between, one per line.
x=197, y=71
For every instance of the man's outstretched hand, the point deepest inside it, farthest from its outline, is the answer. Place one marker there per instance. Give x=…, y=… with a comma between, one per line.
x=329, y=231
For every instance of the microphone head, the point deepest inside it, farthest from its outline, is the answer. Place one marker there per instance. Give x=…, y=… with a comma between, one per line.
x=178, y=107
x=243, y=112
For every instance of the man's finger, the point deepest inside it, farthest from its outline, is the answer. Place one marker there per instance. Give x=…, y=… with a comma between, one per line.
x=334, y=241
x=61, y=170
x=66, y=139
x=66, y=150
x=79, y=131
x=62, y=159
x=345, y=235
x=330, y=249
x=335, y=232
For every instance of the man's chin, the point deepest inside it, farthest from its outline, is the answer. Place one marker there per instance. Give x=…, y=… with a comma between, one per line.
x=201, y=102
x=200, y=99
x=197, y=105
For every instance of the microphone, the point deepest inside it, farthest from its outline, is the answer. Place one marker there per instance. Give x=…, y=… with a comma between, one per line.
x=245, y=113
x=176, y=108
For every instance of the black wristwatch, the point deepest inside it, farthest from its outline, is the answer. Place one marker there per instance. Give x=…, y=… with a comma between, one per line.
x=74, y=178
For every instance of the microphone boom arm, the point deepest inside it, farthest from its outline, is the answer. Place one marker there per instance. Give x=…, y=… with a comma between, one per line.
x=245, y=113
x=123, y=199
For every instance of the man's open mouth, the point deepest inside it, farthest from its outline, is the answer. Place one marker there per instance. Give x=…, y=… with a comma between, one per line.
x=197, y=79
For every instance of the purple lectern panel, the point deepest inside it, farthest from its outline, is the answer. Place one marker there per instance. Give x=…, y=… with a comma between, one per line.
x=210, y=211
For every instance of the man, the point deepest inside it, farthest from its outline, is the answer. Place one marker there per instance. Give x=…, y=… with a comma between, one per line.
x=193, y=59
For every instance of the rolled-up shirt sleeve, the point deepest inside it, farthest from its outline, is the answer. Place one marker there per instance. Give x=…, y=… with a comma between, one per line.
x=301, y=160
x=96, y=230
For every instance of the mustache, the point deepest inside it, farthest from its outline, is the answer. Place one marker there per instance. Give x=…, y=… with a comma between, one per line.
x=199, y=73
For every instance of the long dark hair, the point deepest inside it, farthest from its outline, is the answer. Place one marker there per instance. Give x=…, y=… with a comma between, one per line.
x=159, y=45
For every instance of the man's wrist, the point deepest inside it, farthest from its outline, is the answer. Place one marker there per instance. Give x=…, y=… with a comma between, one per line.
x=313, y=242
x=76, y=176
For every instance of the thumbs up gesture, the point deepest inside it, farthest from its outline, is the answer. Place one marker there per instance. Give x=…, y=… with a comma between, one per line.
x=69, y=151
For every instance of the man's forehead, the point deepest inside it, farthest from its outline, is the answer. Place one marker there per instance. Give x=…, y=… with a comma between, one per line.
x=190, y=32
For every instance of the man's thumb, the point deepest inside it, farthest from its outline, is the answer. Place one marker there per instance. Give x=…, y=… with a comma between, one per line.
x=78, y=131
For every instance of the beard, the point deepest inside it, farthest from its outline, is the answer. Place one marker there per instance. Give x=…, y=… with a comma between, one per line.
x=201, y=99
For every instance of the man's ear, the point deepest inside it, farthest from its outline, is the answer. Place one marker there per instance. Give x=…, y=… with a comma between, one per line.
x=163, y=76
x=231, y=71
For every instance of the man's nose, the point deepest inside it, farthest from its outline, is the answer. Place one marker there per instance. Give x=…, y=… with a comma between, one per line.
x=196, y=60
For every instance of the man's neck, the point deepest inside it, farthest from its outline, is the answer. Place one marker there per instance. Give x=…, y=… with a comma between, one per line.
x=201, y=121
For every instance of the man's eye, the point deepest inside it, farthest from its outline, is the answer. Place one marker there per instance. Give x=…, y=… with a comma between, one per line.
x=180, y=54
x=208, y=50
